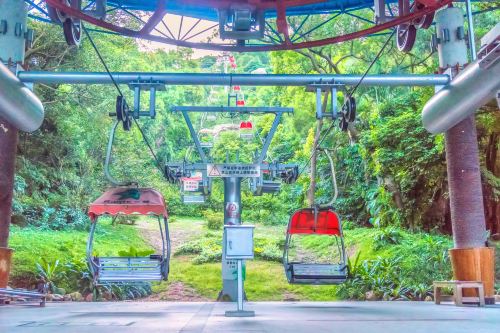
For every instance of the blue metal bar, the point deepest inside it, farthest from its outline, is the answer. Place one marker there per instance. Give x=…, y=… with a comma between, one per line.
x=37, y=6
x=232, y=79
x=199, y=33
x=299, y=27
x=180, y=27
x=359, y=17
x=194, y=136
x=231, y=109
x=274, y=31
x=317, y=27
x=270, y=136
x=191, y=29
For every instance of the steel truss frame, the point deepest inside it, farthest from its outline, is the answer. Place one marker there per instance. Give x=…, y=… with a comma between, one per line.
x=281, y=33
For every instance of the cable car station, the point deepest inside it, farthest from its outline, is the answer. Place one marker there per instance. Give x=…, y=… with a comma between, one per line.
x=252, y=26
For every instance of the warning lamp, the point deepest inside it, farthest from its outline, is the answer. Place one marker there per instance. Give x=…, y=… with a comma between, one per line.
x=236, y=88
x=240, y=102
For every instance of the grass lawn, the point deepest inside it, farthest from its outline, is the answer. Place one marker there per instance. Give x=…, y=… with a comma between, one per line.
x=30, y=245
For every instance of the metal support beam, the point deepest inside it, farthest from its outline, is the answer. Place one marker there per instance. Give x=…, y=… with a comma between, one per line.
x=232, y=216
x=232, y=79
x=14, y=14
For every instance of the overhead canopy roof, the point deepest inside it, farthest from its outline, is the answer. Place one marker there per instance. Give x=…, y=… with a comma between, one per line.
x=128, y=201
x=207, y=9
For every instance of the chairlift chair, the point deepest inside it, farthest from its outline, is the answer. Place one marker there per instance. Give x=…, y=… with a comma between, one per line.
x=246, y=130
x=129, y=201
x=315, y=221
x=206, y=140
x=319, y=220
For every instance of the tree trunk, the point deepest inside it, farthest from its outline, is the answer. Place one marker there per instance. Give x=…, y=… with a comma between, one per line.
x=8, y=144
x=464, y=179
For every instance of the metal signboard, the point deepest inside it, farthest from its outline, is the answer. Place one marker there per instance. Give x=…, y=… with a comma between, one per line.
x=233, y=170
x=191, y=184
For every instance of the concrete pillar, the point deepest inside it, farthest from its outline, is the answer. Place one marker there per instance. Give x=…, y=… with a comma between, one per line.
x=12, y=28
x=462, y=157
x=232, y=215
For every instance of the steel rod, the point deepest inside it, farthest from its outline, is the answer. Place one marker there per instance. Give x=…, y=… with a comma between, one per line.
x=470, y=24
x=232, y=79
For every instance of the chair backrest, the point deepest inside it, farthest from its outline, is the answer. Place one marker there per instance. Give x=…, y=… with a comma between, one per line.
x=304, y=222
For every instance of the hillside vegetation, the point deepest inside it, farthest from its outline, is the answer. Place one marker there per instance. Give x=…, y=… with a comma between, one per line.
x=391, y=173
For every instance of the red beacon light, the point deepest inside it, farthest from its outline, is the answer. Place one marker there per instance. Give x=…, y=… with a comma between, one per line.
x=240, y=102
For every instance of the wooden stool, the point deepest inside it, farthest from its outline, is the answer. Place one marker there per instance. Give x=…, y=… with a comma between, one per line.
x=458, y=287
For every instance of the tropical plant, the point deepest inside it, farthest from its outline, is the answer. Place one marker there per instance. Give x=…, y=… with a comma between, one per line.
x=51, y=273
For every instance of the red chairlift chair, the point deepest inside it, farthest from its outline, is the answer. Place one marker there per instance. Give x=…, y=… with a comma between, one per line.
x=319, y=221
x=129, y=201
x=246, y=130
x=315, y=221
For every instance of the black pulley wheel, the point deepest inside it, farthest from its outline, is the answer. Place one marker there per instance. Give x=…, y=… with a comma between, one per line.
x=351, y=110
x=406, y=35
x=72, y=31
x=121, y=110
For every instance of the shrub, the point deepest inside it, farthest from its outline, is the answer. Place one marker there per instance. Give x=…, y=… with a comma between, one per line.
x=387, y=236
x=215, y=220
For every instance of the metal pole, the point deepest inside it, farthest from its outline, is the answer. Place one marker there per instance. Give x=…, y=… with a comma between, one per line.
x=240, y=285
x=232, y=215
x=462, y=157
x=470, y=25
x=231, y=79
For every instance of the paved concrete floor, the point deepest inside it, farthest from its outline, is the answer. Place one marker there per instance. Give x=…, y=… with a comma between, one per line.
x=345, y=317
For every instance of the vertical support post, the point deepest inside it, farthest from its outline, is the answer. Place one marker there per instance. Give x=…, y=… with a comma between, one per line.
x=232, y=216
x=240, y=285
x=469, y=255
x=14, y=13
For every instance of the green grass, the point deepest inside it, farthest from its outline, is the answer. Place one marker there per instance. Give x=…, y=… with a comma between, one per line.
x=31, y=244
x=265, y=281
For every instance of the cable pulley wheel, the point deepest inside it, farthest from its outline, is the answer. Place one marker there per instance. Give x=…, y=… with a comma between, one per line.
x=406, y=35
x=72, y=29
x=350, y=115
x=122, y=113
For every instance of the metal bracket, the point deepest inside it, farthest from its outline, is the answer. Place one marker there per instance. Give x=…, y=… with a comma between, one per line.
x=152, y=87
x=380, y=12
x=321, y=88
x=29, y=36
x=244, y=22
x=3, y=27
x=100, y=10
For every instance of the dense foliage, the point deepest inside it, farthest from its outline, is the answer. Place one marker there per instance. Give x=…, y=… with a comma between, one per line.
x=391, y=173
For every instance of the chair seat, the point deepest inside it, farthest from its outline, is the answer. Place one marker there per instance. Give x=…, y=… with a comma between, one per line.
x=129, y=269
x=316, y=273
